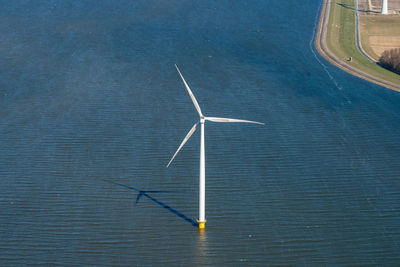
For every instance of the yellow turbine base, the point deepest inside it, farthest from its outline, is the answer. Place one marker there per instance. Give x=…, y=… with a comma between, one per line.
x=202, y=224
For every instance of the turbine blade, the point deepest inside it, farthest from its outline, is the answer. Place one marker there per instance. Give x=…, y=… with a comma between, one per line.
x=190, y=93
x=183, y=142
x=214, y=119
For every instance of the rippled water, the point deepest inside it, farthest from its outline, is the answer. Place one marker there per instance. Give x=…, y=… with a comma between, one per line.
x=92, y=109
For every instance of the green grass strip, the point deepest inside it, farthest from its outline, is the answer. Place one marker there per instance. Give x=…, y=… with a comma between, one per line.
x=341, y=40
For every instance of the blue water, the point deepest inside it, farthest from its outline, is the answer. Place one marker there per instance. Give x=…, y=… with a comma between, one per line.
x=92, y=109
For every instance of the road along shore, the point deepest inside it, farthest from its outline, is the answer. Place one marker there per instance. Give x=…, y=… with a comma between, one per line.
x=323, y=50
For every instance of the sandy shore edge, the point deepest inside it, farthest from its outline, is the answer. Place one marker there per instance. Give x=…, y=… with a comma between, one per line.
x=322, y=48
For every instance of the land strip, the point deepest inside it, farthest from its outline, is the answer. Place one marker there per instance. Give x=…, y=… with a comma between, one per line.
x=335, y=41
x=379, y=33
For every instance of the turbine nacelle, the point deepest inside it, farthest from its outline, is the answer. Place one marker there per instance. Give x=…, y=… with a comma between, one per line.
x=202, y=118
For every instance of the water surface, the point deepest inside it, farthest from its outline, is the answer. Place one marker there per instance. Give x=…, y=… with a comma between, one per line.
x=92, y=109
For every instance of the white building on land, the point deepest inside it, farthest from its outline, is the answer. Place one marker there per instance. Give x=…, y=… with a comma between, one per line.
x=384, y=7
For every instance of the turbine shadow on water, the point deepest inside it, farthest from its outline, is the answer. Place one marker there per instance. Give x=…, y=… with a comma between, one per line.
x=202, y=119
x=163, y=205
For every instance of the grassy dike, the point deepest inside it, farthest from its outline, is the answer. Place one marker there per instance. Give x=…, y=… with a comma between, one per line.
x=341, y=41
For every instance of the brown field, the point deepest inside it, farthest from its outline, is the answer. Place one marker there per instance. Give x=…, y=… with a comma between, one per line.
x=335, y=41
x=379, y=33
x=376, y=5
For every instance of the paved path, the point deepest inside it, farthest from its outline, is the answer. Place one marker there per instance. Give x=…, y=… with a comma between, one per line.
x=322, y=48
x=358, y=36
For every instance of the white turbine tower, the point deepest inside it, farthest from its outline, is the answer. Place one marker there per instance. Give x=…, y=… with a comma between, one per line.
x=384, y=7
x=202, y=183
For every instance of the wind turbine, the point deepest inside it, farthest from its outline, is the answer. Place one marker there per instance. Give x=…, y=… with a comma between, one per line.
x=202, y=184
x=384, y=7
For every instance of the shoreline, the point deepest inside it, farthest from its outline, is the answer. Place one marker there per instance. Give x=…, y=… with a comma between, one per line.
x=323, y=50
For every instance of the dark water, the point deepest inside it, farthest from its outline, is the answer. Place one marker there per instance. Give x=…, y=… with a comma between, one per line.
x=92, y=109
